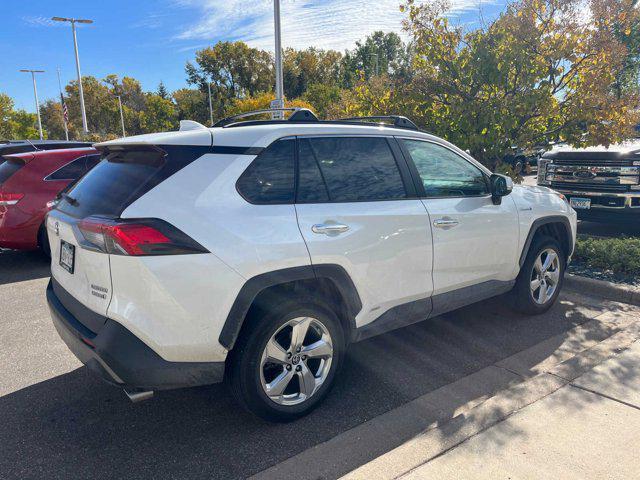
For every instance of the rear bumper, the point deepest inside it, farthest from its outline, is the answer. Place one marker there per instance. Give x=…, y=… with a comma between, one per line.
x=120, y=357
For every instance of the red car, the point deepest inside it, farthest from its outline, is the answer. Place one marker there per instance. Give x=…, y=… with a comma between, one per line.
x=27, y=182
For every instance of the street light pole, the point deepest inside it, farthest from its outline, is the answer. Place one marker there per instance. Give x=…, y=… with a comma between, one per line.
x=279, y=101
x=35, y=94
x=121, y=116
x=73, y=22
x=64, y=119
x=210, y=104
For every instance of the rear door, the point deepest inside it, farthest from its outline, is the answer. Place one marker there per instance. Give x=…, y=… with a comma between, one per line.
x=356, y=209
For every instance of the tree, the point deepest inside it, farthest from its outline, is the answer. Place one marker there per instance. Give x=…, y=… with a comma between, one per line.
x=261, y=101
x=159, y=114
x=192, y=104
x=380, y=54
x=16, y=124
x=323, y=98
x=162, y=90
x=234, y=69
x=535, y=74
x=302, y=68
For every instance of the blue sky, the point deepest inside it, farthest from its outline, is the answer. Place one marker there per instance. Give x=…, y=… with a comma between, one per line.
x=152, y=40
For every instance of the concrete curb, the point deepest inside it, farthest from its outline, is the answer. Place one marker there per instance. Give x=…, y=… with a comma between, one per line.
x=601, y=288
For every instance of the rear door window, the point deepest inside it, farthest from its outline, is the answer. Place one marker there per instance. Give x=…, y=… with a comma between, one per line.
x=354, y=169
x=8, y=168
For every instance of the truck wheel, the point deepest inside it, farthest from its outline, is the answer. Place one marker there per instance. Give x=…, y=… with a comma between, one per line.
x=540, y=279
x=285, y=362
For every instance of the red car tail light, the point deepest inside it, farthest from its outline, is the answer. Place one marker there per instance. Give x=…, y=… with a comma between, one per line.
x=139, y=237
x=10, y=198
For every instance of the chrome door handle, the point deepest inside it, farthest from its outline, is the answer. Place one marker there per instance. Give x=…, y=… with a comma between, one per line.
x=445, y=223
x=329, y=228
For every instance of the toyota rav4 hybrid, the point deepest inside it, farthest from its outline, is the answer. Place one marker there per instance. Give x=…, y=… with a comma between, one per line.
x=258, y=251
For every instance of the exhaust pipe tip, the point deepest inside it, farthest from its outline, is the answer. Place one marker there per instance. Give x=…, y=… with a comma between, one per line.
x=137, y=395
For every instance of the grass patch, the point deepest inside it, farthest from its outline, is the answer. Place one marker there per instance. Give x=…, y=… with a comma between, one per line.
x=620, y=256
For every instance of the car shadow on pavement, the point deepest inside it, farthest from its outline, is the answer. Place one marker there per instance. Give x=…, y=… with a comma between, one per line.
x=16, y=266
x=75, y=426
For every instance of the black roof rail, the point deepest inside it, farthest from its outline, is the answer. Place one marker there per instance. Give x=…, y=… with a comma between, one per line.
x=398, y=120
x=298, y=115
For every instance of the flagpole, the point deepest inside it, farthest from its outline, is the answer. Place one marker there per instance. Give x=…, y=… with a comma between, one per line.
x=64, y=119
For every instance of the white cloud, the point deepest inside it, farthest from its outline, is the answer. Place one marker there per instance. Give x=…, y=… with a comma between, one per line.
x=40, y=21
x=335, y=24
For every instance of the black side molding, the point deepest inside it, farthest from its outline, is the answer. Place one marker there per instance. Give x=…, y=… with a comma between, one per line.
x=544, y=221
x=252, y=288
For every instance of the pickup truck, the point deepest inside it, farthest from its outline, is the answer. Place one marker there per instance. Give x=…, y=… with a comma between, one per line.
x=601, y=183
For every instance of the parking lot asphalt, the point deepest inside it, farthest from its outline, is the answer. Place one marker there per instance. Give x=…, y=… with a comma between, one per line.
x=59, y=421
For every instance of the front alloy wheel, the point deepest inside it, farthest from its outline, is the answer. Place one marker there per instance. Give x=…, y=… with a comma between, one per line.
x=545, y=276
x=296, y=361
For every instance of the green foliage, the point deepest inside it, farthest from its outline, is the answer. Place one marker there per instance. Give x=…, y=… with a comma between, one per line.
x=615, y=255
x=16, y=124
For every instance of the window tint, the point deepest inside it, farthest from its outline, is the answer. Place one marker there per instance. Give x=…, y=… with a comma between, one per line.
x=8, y=168
x=270, y=177
x=445, y=173
x=113, y=184
x=75, y=169
x=311, y=186
x=355, y=168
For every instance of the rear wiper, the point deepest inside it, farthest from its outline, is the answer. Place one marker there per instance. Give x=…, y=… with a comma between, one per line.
x=69, y=199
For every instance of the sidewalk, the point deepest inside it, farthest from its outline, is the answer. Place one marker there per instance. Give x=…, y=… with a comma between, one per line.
x=589, y=428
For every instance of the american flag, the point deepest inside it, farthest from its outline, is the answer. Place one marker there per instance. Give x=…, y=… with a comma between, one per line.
x=65, y=111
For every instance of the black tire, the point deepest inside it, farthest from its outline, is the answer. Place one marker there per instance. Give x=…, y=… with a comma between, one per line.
x=244, y=362
x=522, y=298
x=43, y=241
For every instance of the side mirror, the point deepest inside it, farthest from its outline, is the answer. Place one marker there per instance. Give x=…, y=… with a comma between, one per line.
x=501, y=185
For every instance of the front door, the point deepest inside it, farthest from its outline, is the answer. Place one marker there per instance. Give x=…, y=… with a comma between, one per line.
x=474, y=241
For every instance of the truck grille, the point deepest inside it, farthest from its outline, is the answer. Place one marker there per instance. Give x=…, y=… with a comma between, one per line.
x=590, y=162
x=589, y=187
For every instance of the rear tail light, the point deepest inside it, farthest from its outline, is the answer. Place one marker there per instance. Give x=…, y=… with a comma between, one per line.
x=147, y=236
x=10, y=198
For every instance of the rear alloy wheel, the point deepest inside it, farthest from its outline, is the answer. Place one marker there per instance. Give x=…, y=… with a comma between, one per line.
x=540, y=279
x=296, y=361
x=285, y=361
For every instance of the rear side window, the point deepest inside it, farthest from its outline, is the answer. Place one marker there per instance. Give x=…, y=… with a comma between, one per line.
x=123, y=176
x=354, y=169
x=270, y=177
x=75, y=169
x=8, y=168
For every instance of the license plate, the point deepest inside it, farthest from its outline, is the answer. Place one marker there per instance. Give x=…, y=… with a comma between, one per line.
x=67, y=256
x=580, y=203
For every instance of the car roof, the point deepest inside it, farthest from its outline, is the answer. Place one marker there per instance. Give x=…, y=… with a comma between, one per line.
x=29, y=156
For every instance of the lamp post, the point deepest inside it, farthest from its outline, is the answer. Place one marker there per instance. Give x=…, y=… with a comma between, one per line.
x=279, y=101
x=35, y=94
x=210, y=104
x=121, y=115
x=73, y=22
x=376, y=71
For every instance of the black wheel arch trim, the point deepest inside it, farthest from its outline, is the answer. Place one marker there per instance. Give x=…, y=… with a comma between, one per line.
x=255, y=285
x=535, y=226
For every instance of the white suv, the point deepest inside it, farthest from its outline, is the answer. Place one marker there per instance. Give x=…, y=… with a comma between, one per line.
x=257, y=251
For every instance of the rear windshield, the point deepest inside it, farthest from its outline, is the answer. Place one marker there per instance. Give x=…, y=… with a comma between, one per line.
x=122, y=177
x=8, y=168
